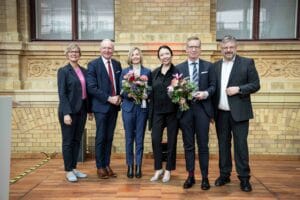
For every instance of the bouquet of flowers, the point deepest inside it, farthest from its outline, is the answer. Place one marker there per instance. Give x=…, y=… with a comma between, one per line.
x=136, y=86
x=181, y=90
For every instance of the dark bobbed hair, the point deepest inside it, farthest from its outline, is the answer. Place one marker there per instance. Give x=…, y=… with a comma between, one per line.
x=164, y=47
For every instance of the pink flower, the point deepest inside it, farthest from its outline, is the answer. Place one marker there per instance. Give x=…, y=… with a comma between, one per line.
x=177, y=76
x=174, y=82
x=180, y=91
x=144, y=78
x=135, y=86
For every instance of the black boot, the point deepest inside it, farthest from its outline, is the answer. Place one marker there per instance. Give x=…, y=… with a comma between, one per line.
x=130, y=171
x=138, y=171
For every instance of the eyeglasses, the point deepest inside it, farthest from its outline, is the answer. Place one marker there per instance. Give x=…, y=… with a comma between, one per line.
x=194, y=47
x=230, y=48
x=74, y=52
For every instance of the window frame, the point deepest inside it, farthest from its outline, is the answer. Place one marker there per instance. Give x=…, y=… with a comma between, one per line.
x=255, y=25
x=75, y=29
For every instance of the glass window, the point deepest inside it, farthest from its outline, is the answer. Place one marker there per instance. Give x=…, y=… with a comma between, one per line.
x=53, y=19
x=72, y=19
x=235, y=18
x=278, y=19
x=95, y=19
x=258, y=19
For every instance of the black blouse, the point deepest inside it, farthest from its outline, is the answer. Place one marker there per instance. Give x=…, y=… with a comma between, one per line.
x=161, y=101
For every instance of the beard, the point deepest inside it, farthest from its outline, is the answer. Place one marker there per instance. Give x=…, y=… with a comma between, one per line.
x=229, y=56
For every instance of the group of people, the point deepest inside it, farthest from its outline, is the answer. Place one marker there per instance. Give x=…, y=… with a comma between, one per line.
x=222, y=96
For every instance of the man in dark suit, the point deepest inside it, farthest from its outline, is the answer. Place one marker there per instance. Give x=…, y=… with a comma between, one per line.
x=237, y=78
x=195, y=121
x=103, y=85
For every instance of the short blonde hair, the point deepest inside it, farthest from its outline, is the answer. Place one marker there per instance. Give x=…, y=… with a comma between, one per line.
x=193, y=38
x=72, y=46
x=129, y=61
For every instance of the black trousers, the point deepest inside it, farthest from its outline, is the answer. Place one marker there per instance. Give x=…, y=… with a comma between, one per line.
x=71, y=137
x=195, y=123
x=160, y=121
x=226, y=128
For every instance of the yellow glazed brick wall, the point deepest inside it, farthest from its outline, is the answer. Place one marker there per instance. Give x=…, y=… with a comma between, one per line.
x=272, y=131
x=161, y=21
x=28, y=73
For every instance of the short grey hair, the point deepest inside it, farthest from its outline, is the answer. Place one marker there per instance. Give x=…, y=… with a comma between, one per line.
x=228, y=38
x=107, y=40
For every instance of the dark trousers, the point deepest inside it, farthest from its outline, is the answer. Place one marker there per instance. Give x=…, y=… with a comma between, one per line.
x=226, y=128
x=71, y=137
x=160, y=121
x=105, y=127
x=135, y=124
x=195, y=122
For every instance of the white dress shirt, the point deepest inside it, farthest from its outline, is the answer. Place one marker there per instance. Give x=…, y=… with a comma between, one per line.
x=226, y=70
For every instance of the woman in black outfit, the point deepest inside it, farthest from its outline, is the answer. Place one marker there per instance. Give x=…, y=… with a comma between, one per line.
x=163, y=114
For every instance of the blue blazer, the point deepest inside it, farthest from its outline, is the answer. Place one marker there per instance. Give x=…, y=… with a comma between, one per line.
x=99, y=85
x=69, y=90
x=207, y=82
x=128, y=103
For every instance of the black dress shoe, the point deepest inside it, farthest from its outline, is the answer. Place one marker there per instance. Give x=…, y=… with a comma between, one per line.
x=205, y=184
x=138, y=171
x=222, y=181
x=246, y=186
x=130, y=171
x=189, y=182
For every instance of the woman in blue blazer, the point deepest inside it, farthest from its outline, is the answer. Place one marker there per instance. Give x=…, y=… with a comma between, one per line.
x=72, y=110
x=134, y=114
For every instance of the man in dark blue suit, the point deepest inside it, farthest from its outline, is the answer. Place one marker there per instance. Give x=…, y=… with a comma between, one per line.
x=237, y=78
x=196, y=120
x=103, y=86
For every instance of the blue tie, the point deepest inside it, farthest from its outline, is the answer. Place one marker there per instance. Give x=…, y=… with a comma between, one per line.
x=195, y=74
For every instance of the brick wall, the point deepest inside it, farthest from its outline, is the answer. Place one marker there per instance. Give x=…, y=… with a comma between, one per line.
x=162, y=21
x=28, y=73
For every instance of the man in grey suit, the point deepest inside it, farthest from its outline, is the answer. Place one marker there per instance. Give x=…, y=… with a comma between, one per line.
x=237, y=78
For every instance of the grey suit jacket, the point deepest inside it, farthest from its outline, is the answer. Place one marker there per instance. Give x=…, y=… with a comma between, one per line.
x=244, y=75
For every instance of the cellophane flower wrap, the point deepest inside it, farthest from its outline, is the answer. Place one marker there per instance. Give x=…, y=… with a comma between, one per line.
x=180, y=91
x=135, y=85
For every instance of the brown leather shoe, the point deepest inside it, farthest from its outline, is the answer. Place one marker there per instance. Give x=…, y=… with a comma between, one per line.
x=102, y=173
x=110, y=172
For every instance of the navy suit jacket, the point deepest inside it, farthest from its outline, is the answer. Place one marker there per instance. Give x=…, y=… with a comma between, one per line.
x=128, y=103
x=207, y=82
x=244, y=75
x=70, y=90
x=99, y=85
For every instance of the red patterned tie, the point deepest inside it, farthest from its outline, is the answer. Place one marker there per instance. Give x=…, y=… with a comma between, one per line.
x=110, y=73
